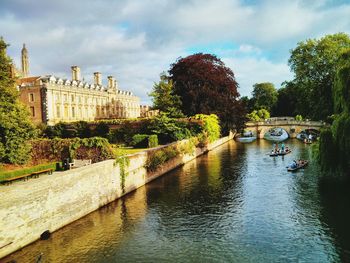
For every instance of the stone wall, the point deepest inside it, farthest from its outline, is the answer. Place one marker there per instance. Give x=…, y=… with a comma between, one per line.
x=29, y=208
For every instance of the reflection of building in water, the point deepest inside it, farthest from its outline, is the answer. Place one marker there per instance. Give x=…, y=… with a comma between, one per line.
x=52, y=99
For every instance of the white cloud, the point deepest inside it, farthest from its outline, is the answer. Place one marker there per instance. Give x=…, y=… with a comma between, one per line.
x=249, y=71
x=136, y=40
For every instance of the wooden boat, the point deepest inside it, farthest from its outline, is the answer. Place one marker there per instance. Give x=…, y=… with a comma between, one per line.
x=299, y=166
x=284, y=152
x=273, y=154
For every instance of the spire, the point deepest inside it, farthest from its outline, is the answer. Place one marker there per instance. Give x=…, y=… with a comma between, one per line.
x=25, y=61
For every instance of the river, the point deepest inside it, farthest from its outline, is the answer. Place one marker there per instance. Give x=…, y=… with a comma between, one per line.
x=234, y=204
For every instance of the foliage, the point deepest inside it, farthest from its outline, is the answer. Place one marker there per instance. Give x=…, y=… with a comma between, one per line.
x=102, y=130
x=287, y=98
x=168, y=129
x=140, y=140
x=152, y=141
x=334, y=147
x=95, y=148
x=123, y=162
x=298, y=118
x=247, y=103
x=264, y=96
x=15, y=125
x=164, y=98
x=29, y=170
x=189, y=146
x=258, y=115
x=159, y=157
x=314, y=63
x=210, y=126
x=205, y=86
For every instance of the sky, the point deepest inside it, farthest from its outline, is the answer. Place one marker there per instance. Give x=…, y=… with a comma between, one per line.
x=135, y=41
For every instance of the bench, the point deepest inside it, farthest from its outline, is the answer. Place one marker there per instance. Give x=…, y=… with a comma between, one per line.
x=26, y=176
x=79, y=163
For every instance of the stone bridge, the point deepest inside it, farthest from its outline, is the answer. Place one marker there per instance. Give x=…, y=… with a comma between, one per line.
x=289, y=124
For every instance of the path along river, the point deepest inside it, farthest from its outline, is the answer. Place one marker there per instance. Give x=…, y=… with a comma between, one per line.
x=235, y=204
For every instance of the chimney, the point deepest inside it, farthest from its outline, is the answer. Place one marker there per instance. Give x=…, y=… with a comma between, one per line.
x=75, y=73
x=110, y=82
x=97, y=78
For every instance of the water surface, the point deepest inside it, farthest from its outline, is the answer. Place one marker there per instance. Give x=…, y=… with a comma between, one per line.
x=235, y=204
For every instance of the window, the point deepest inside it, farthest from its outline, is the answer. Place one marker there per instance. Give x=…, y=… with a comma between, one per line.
x=73, y=112
x=32, y=110
x=31, y=97
x=58, y=112
x=65, y=97
x=72, y=98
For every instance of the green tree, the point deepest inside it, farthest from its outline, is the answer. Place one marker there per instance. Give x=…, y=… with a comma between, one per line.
x=258, y=115
x=164, y=98
x=15, y=127
x=334, y=147
x=264, y=96
x=287, y=100
x=248, y=103
x=314, y=63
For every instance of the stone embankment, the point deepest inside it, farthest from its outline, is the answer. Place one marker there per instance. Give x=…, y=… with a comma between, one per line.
x=43, y=205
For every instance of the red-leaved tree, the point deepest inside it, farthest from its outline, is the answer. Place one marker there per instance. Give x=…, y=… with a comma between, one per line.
x=206, y=85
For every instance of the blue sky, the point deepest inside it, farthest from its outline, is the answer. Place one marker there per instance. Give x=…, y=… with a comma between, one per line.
x=137, y=40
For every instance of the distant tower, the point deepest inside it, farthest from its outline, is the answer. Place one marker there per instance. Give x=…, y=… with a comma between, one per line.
x=25, y=61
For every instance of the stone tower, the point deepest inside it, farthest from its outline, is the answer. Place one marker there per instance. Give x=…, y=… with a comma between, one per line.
x=25, y=61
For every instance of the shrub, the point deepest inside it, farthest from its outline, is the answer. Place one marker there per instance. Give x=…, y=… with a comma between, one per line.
x=101, y=130
x=152, y=141
x=159, y=157
x=95, y=148
x=139, y=141
x=298, y=118
x=211, y=126
x=168, y=129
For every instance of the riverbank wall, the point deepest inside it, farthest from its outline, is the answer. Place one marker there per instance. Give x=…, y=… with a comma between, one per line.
x=43, y=205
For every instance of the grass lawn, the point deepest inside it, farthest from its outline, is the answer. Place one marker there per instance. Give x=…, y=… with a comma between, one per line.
x=127, y=150
x=7, y=174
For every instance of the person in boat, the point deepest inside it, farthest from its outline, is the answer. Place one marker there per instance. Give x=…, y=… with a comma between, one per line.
x=294, y=164
x=287, y=149
x=282, y=147
x=310, y=137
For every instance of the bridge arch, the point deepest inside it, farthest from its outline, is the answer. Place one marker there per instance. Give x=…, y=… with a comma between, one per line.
x=291, y=126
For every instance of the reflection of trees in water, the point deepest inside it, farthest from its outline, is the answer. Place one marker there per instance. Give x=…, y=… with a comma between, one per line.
x=201, y=187
x=335, y=201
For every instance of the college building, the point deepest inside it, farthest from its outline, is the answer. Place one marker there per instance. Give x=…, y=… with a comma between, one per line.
x=51, y=99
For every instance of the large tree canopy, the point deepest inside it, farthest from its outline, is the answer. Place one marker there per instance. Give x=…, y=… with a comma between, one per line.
x=335, y=142
x=264, y=96
x=15, y=126
x=314, y=63
x=286, y=101
x=206, y=85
